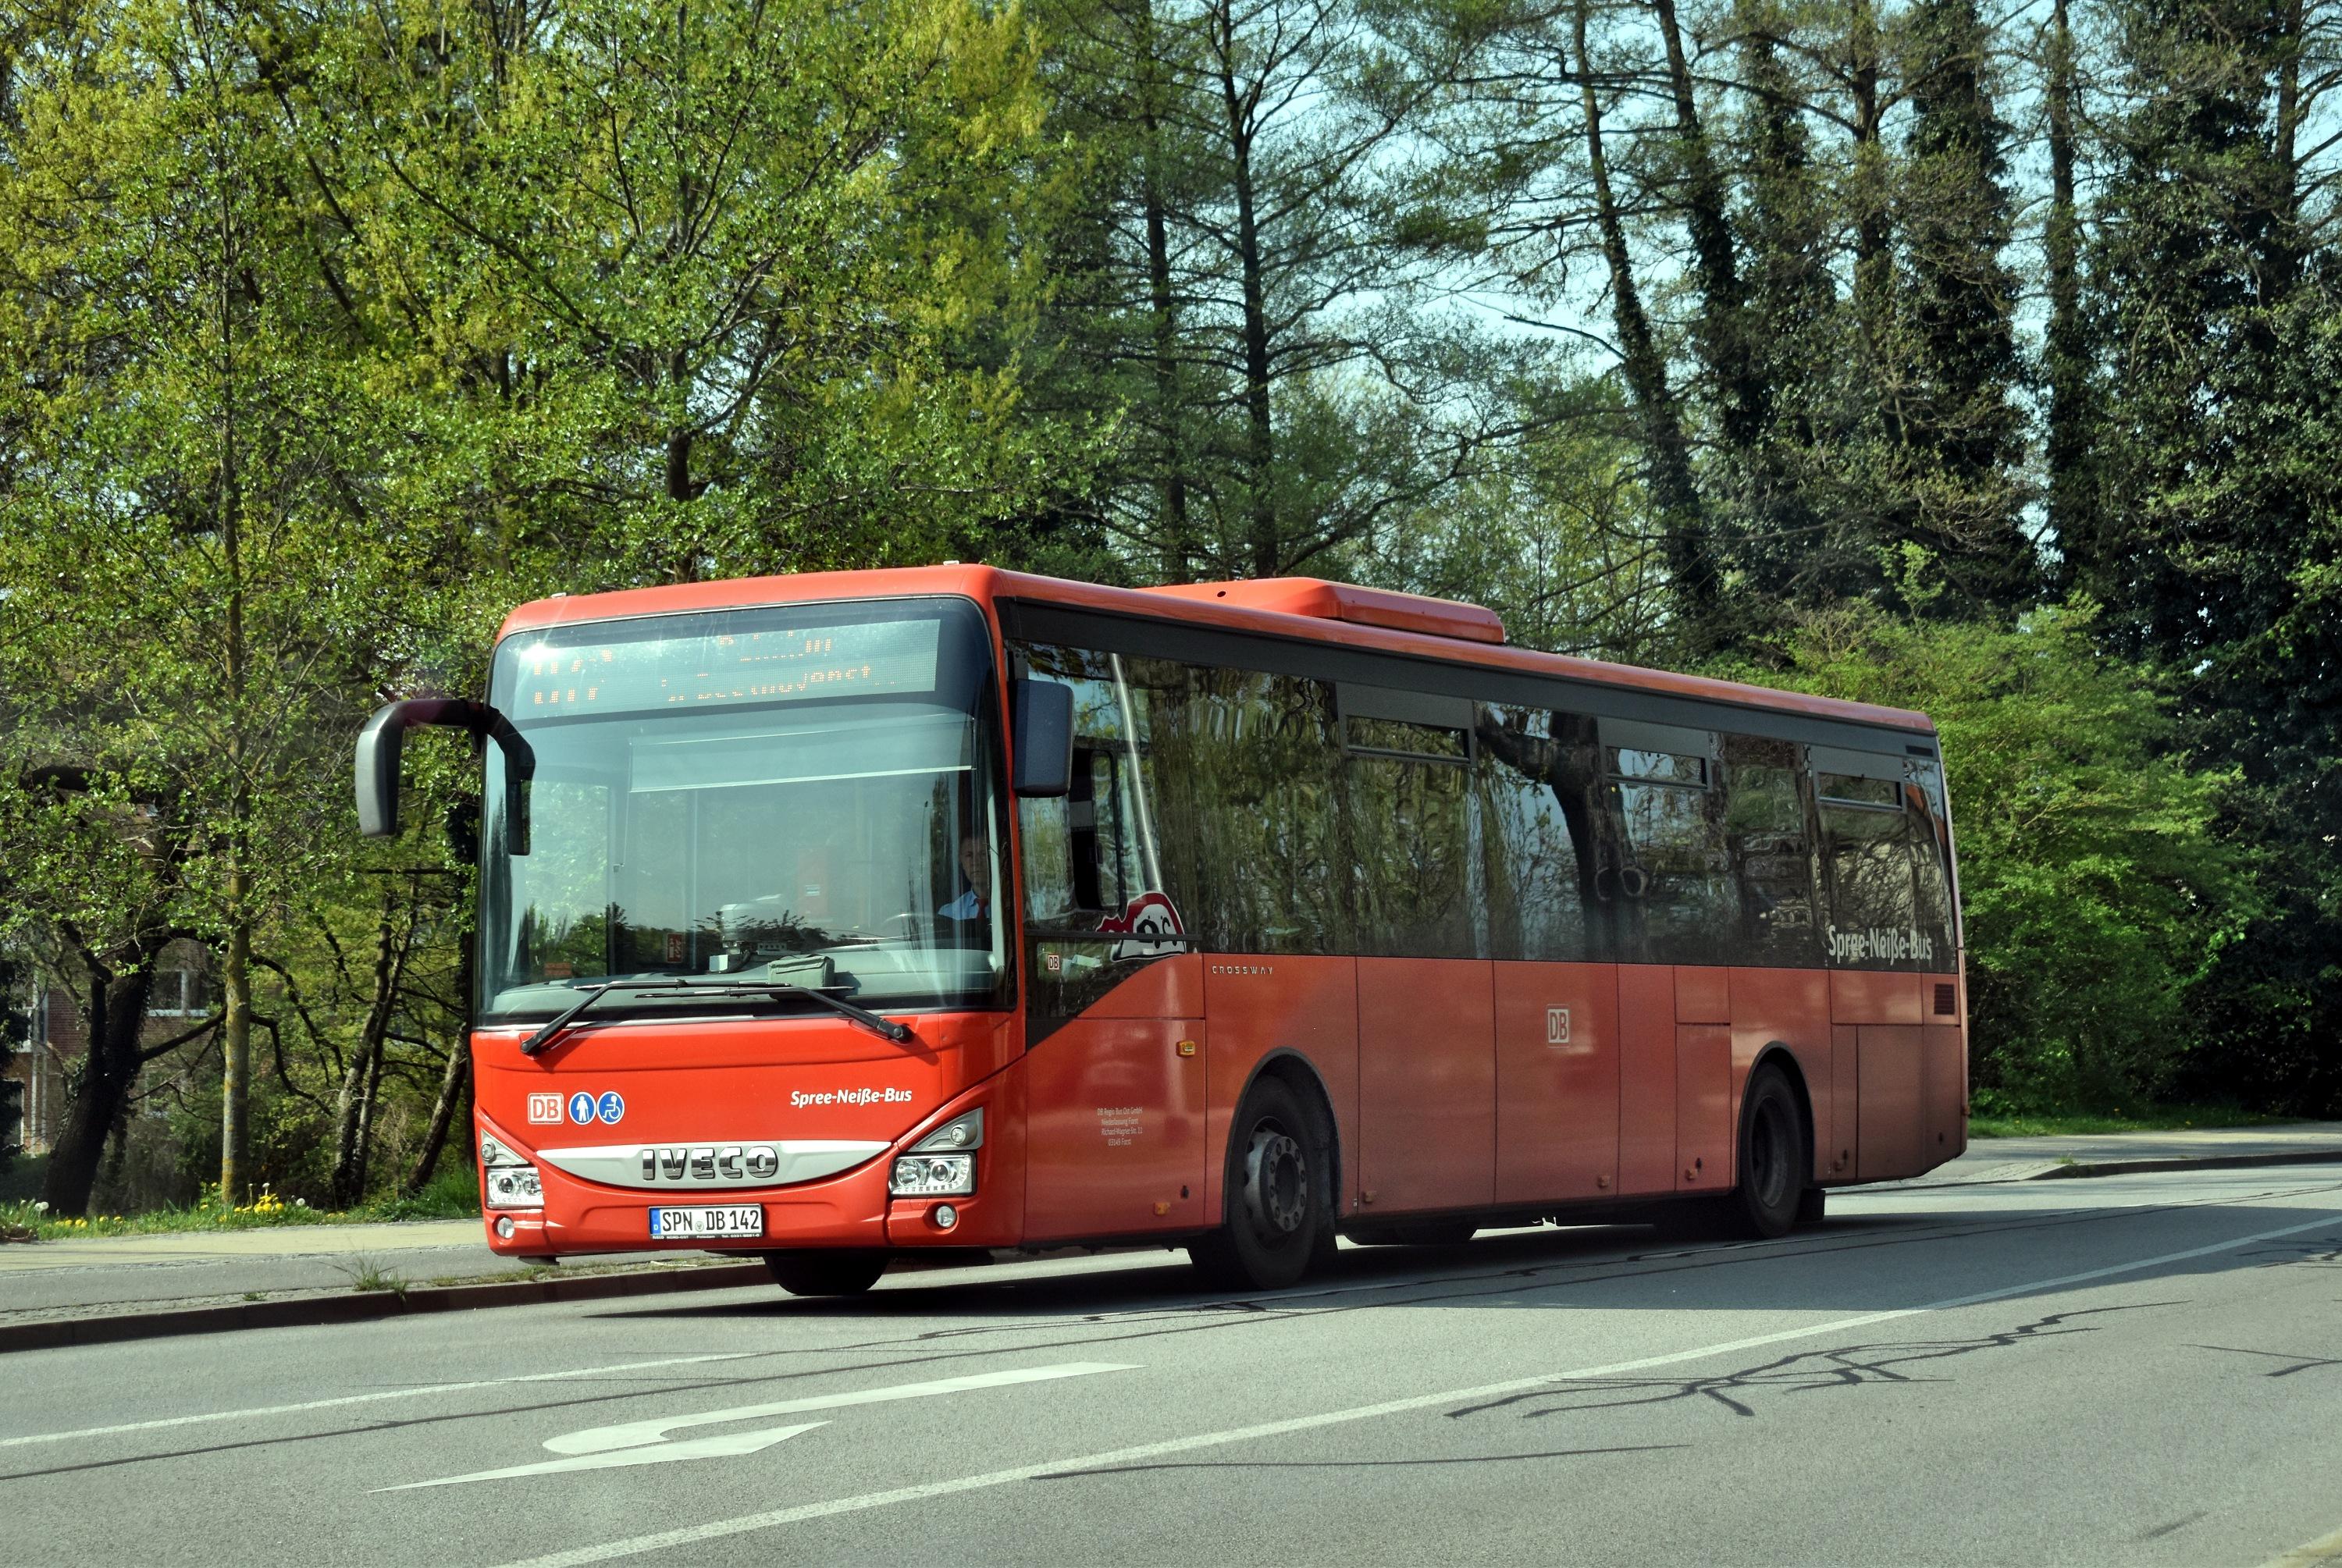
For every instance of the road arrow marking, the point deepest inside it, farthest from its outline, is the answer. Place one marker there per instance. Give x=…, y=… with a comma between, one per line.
x=739, y=1442
x=645, y=1442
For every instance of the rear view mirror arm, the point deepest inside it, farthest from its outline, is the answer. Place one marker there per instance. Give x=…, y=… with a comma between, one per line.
x=382, y=741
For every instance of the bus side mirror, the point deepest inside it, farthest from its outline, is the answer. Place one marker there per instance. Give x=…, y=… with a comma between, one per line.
x=1041, y=735
x=384, y=738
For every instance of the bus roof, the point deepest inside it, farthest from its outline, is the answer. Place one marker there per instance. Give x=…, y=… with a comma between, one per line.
x=1312, y=611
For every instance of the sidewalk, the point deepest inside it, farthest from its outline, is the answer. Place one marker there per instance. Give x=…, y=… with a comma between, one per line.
x=98, y=1276
x=2115, y=1153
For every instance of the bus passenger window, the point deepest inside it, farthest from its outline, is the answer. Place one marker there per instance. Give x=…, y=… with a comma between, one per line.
x=1249, y=764
x=1675, y=882
x=1765, y=840
x=1874, y=847
x=1409, y=826
x=1539, y=784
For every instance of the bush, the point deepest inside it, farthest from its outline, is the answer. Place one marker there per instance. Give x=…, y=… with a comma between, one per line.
x=2096, y=894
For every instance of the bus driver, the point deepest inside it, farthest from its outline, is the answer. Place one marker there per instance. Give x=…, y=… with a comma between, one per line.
x=972, y=908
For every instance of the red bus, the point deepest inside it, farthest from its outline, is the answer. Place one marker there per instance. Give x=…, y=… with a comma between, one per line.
x=837, y=917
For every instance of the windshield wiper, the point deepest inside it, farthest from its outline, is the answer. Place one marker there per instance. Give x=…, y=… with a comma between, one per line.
x=898, y=1032
x=567, y=1016
x=887, y=1027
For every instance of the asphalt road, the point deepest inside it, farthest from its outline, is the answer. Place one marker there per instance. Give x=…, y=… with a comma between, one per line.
x=2130, y=1370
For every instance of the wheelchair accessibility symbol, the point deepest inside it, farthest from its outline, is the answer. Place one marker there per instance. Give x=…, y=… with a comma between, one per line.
x=585, y=1109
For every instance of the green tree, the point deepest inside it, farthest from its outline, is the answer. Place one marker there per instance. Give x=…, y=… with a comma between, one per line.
x=717, y=289
x=184, y=534
x=1953, y=411
x=2097, y=897
x=2216, y=443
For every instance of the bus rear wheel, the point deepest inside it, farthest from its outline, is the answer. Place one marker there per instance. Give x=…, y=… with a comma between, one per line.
x=1278, y=1209
x=826, y=1272
x=1775, y=1167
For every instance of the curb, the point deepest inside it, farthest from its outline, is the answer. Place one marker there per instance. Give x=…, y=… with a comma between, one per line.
x=373, y=1304
x=2210, y=1162
x=2109, y=1168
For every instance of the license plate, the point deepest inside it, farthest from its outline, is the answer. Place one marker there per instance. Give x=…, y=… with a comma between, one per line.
x=707, y=1225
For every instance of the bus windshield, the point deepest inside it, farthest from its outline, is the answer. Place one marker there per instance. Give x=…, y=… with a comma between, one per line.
x=799, y=796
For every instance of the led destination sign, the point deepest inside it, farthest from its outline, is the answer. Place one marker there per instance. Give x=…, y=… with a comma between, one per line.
x=768, y=664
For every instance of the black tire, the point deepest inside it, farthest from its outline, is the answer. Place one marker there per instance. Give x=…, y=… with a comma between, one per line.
x=1776, y=1168
x=1278, y=1204
x=826, y=1272
x=1416, y=1234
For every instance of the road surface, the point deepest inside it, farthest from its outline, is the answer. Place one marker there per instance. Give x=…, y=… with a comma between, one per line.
x=2129, y=1370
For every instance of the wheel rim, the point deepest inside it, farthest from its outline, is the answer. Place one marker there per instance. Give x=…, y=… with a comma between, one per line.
x=1276, y=1183
x=1768, y=1155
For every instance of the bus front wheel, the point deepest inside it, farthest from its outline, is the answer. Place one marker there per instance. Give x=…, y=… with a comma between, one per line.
x=826, y=1272
x=1278, y=1209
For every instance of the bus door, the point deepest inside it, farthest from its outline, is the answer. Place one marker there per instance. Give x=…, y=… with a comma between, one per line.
x=1888, y=937
x=1115, y=1054
x=1426, y=997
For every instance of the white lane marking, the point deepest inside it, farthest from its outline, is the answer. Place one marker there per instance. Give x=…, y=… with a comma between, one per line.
x=716, y=1529
x=417, y=1392
x=643, y=1441
x=631, y=1433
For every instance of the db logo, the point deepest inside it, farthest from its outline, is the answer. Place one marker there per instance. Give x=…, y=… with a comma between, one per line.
x=545, y=1109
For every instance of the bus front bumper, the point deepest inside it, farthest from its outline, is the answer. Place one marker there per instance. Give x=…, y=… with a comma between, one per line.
x=853, y=1209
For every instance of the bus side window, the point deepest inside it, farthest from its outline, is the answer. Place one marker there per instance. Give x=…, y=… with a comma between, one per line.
x=1678, y=879
x=1407, y=787
x=1872, y=846
x=1932, y=842
x=1247, y=765
x=1108, y=864
x=1539, y=783
x=1082, y=826
x=1770, y=850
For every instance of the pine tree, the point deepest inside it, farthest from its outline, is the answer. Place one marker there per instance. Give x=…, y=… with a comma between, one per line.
x=1958, y=423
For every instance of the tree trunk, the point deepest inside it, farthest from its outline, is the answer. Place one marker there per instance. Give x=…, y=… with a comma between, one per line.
x=366, y=1121
x=678, y=439
x=1175, y=547
x=443, y=1113
x=1176, y=551
x=1686, y=544
x=1739, y=380
x=363, y=1070
x=2286, y=239
x=2065, y=356
x=116, y=1015
x=1260, y=445
x=1873, y=222
x=235, y=1040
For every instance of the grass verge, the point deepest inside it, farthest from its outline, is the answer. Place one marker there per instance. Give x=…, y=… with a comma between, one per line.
x=2147, y=1119
x=453, y=1194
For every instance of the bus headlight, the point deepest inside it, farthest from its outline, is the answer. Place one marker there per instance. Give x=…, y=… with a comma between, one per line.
x=511, y=1180
x=933, y=1175
x=515, y=1187
x=964, y=1132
